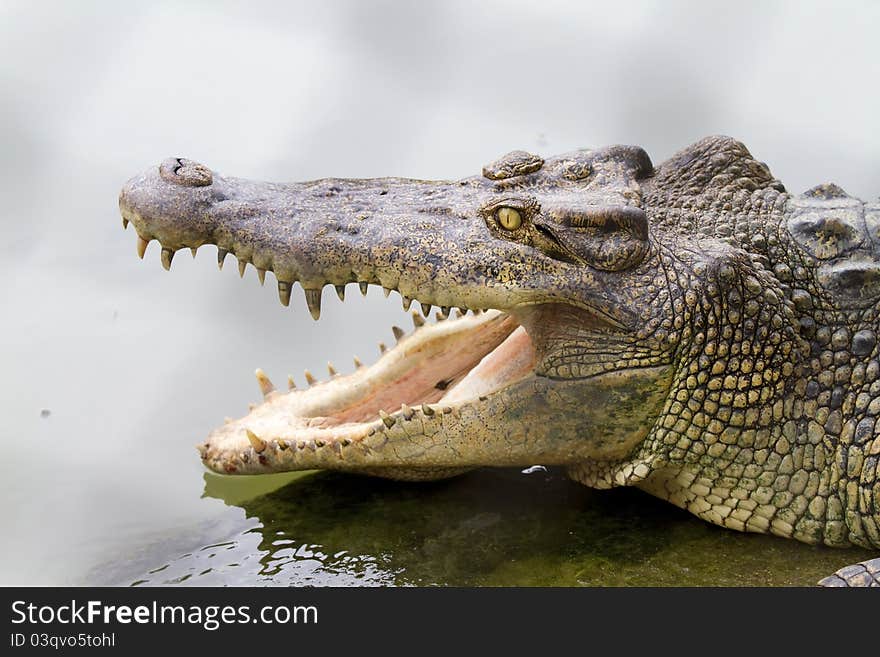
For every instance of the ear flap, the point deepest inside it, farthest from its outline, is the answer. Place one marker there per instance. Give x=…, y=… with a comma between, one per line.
x=611, y=239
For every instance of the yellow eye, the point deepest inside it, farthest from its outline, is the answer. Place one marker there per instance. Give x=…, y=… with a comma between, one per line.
x=509, y=218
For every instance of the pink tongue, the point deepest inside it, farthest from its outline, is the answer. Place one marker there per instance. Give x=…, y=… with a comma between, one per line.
x=510, y=361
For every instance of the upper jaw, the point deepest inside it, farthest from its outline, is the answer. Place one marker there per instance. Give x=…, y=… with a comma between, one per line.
x=425, y=239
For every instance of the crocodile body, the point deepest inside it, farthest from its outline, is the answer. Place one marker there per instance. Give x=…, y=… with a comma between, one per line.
x=691, y=329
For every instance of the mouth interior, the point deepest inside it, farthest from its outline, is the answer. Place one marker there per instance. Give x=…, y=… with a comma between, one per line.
x=436, y=368
x=441, y=363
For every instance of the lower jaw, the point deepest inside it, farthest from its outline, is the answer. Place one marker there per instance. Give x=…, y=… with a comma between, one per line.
x=532, y=420
x=451, y=396
x=401, y=410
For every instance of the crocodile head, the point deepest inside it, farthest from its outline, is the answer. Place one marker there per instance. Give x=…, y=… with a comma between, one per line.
x=566, y=357
x=587, y=319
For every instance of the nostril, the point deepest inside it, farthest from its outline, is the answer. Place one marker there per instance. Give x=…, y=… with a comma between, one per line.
x=187, y=173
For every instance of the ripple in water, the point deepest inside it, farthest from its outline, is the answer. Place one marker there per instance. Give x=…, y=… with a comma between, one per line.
x=487, y=528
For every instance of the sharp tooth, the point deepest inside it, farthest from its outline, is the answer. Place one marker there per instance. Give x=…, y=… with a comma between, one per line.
x=221, y=256
x=427, y=410
x=242, y=265
x=363, y=285
x=256, y=442
x=406, y=411
x=398, y=332
x=265, y=383
x=426, y=309
x=167, y=255
x=261, y=274
x=331, y=369
x=193, y=250
x=284, y=292
x=387, y=419
x=291, y=384
x=407, y=302
x=382, y=347
x=313, y=301
x=340, y=292
x=309, y=378
x=141, y=246
x=124, y=223
x=357, y=362
x=386, y=291
x=417, y=320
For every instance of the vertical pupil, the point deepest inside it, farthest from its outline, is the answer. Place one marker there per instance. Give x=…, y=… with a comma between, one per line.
x=509, y=218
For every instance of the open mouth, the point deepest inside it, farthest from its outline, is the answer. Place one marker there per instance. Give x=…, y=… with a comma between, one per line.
x=436, y=371
x=505, y=386
x=429, y=392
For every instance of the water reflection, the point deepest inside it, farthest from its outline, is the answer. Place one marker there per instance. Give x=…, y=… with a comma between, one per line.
x=491, y=527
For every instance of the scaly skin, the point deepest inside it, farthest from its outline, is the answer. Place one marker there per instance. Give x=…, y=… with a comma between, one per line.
x=693, y=329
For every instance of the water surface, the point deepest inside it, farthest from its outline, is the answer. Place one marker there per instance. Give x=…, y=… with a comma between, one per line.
x=487, y=528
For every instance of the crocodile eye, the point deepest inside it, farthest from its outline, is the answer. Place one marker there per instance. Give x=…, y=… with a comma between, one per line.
x=508, y=218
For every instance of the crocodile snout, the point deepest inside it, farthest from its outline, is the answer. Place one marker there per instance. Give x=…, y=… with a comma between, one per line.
x=171, y=203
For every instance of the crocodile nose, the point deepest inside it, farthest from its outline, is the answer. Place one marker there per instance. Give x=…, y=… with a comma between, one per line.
x=186, y=173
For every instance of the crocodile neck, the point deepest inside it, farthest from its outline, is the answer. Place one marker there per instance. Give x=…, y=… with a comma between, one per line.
x=784, y=441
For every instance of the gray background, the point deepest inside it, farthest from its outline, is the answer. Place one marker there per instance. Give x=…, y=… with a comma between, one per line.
x=136, y=365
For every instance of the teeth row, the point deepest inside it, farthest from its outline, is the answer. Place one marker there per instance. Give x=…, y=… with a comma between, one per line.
x=313, y=296
x=267, y=387
x=405, y=414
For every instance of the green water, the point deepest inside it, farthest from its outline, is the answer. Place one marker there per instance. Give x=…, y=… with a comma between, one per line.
x=487, y=528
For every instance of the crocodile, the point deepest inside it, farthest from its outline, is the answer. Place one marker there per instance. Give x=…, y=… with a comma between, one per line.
x=692, y=329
